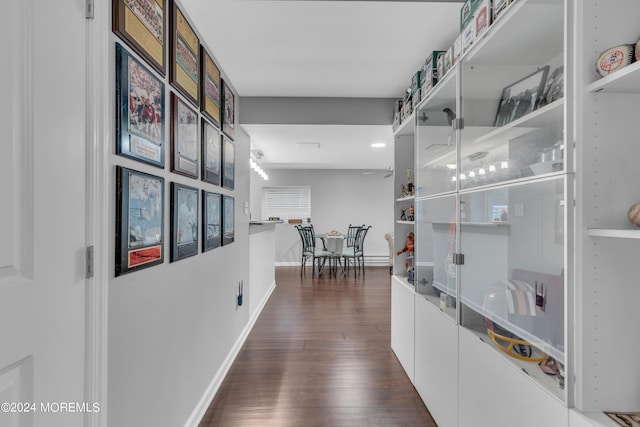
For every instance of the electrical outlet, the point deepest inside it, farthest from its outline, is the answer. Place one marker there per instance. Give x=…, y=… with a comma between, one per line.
x=518, y=209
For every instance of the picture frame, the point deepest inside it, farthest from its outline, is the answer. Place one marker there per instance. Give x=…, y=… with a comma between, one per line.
x=185, y=150
x=184, y=69
x=141, y=24
x=553, y=87
x=139, y=220
x=211, y=220
x=520, y=98
x=228, y=220
x=184, y=221
x=228, y=162
x=140, y=111
x=228, y=110
x=210, y=95
x=211, y=153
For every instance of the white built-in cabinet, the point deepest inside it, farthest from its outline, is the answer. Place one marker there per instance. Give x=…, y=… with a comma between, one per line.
x=521, y=226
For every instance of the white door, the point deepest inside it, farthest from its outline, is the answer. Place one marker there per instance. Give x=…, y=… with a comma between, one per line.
x=42, y=213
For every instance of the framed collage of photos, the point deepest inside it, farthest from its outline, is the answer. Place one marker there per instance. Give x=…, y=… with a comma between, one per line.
x=139, y=220
x=228, y=219
x=140, y=111
x=186, y=107
x=184, y=138
x=210, y=92
x=211, y=220
x=185, y=57
x=184, y=221
x=228, y=110
x=211, y=153
x=141, y=24
x=228, y=163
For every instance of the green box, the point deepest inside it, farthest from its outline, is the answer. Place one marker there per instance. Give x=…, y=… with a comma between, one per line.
x=415, y=81
x=466, y=12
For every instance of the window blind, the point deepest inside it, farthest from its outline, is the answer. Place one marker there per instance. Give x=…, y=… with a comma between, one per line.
x=286, y=202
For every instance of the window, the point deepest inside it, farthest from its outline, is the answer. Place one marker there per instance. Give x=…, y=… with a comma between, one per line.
x=286, y=202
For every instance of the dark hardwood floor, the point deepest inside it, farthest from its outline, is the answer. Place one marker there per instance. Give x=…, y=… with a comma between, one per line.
x=320, y=355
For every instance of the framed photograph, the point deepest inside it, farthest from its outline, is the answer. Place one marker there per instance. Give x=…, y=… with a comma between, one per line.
x=625, y=418
x=228, y=163
x=211, y=153
x=185, y=57
x=210, y=88
x=139, y=220
x=211, y=220
x=553, y=87
x=184, y=138
x=521, y=97
x=228, y=220
x=141, y=24
x=140, y=110
x=184, y=221
x=228, y=110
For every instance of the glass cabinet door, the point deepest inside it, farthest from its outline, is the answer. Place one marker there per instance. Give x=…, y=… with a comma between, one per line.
x=436, y=152
x=512, y=100
x=512, y=281
x=436, y=234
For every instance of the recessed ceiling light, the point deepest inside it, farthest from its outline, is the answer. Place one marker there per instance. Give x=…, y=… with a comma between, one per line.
x=378, y=145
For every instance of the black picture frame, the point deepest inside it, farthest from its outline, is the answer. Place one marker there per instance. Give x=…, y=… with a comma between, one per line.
x=520, y=98
x=211, y=153
x=184, y=70
x=228, y=110
x=139, y=220
x=553, y=87
x=211, y=220
x=141, y=24
x=228, y=220
x=228, y=162
x=140, y=111
x=184, y=221
x=210, y=96
x=185, y=149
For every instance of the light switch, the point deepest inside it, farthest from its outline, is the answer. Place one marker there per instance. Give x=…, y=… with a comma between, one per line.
x=518, y=209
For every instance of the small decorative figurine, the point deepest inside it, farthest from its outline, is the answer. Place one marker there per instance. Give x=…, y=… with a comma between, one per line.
x=409, y=183
x=411, y=216
x=403, y=214
x=405, y=190
x=408, y=245
x=541, y=296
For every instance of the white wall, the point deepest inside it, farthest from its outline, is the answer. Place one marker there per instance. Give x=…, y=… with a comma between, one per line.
x=172, y=326
x=338, y=198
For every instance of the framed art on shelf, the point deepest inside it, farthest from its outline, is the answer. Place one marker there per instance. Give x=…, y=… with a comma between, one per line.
x=211, y=153
x=184, y=138
x=520, y=98
x=141, y=24
x=228, y=110
x=185, y=56
x=228, y=163
x=140, y=116
x=139, y=220
x=228, y=220
x=212, y=220
x=184, y=221
x=210, y=92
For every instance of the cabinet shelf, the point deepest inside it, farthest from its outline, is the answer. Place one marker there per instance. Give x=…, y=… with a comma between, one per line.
x=407, y=127
x=626, y=80
x=534, y=47
x=620, y=233
x=406, y=199
x=405, y=222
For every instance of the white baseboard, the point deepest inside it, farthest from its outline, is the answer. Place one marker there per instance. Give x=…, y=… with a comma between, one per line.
x=216, y=382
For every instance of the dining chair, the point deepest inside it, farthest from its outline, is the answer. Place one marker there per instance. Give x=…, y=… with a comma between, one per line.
x=309, y=250
x=355, y=253
x=351, y=234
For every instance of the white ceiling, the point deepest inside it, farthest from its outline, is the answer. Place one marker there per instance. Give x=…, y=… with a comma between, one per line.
x=326, y=48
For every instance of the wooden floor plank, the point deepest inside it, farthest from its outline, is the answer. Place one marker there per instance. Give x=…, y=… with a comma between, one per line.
x=320, y=355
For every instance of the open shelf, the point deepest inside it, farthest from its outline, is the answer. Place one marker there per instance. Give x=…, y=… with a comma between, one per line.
x=406, y=198
x=621, y=233
x=625, y=80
